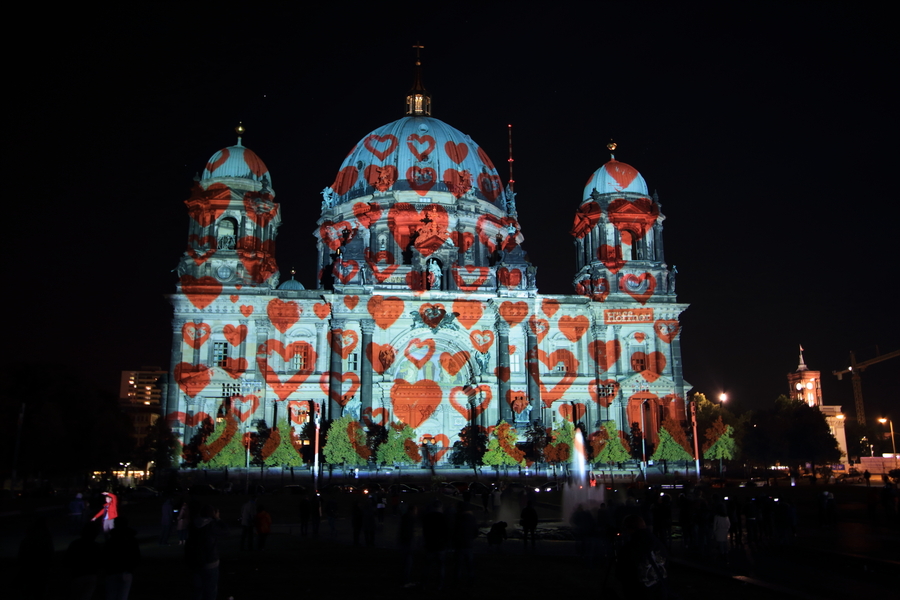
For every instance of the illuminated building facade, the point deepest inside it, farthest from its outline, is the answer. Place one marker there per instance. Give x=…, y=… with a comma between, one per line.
x=426, y=309
x=806, y=386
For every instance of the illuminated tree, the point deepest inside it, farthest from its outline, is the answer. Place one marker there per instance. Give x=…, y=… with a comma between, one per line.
x=502, y=450
x=611, y=450
x=559, y=450
x=673, y=444
x=345, y=443
x=278, y=450
x=719, y=443
x=224, y=447
x=399, y=448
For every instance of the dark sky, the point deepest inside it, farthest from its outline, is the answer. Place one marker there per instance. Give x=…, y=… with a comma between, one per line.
x=768, y=130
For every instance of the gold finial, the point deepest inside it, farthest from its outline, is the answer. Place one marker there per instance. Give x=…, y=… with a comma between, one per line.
x=239, y=130
x=293, y=272
x=611, y=146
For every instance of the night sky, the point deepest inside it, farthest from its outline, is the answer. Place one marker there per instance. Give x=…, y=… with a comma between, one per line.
x=767, y=129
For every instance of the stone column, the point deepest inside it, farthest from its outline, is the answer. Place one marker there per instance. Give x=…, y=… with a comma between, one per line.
x=321, y=348
x=335, y=371
x=365, y=384
x=502, y=328
x=170, y=403
x=532, y=374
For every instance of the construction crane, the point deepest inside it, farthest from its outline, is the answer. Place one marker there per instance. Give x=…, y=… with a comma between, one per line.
x=855, y=369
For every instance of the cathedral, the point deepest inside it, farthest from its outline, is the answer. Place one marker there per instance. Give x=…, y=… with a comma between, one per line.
x=426, y=310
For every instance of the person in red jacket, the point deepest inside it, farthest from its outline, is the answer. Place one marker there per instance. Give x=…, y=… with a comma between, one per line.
x=109, y=512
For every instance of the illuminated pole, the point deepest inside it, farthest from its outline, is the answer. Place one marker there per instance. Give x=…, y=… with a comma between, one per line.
x=893, y=445
x=643, y=442
x=696, y=444
x=722, y=398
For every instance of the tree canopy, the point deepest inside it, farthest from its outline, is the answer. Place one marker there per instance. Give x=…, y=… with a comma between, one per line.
x=608, y=445
x=399, y=448
x=502, y=450
x=719, y=442
x=791, y=432
x=345, y=443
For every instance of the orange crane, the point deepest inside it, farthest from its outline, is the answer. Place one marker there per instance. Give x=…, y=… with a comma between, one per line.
x=855, y=369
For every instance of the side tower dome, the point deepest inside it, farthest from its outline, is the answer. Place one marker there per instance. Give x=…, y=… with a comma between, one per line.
x=233, y=223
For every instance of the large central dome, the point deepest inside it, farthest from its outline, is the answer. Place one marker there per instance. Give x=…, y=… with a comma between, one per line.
x=422, y=154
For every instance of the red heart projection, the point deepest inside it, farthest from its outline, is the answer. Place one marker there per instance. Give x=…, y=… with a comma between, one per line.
x=366, y=214
x=638, y=287
x=655, y=363
x=468, y=312
x=453, y=363
x=345, y=270
x=516, y=400
x=540, y=327
x=666, y=329
x=509, y=279
x=512, y=349
x=195, y=334
x=378, y=417
x=414, y=402
x=623, y=173
x=550, y=361
x=502, y=373
x=332, y=234
x=419, y=352
x=283, y=315
x=223, y=156
x=237, y=403
x=490, y=186
x=381, y=356
x=574, y=327
x=205, y=245
x=342, y=397
x=344, y=341
x=200, y=291
x=380, y=145
x=611, y=257
x=456, y=152
x=349, y=301
x=432, y=314
x=234, y=299
x=192, y=379
x=280, y=388
x=481, y=275
x=246, y=310
x=346, y=178
x=189, y=420
x=608, y=389
x=438, y=446
x=457, y=182
x=381, y=275
x=484, y=159
x=463, y=240
x=287, y=352
x=639, y=337
x=235, y=335
x=466, y=410
x=572, y=412
x=385, y=311
x=238, y=286
x=635, y=217
x=420, y=146
x=605, y=354
x=488, y=228
x=381, y=178
x=404, y=219
x=421, y=180
x=482, y=339
x=257, y=257
x=549, y=306
x=513, y=312
x=586, y=217
x=298, y=411
x=323, y=309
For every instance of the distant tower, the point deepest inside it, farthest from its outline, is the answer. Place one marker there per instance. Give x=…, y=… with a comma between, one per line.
x=806, y=385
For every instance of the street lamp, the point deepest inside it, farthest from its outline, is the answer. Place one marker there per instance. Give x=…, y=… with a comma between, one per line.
x=883, y=420
x=723, y=397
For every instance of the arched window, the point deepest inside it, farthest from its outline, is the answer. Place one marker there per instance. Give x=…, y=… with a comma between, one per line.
x=226, y=234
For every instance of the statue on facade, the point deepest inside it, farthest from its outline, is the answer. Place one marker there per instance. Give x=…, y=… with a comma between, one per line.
x=327, y=198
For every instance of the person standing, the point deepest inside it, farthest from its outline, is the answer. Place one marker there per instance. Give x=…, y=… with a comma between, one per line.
x=263, y=526
x=109, y=512
x=201, y=552
x=165, y=521
x=529, y=521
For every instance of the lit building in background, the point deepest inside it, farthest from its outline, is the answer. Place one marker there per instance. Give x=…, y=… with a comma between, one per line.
x=426, y=309
x=806, y=386
x=140, y=395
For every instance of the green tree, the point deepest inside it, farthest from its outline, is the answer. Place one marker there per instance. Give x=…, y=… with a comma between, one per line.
x=609, y=447
x=719, y=443
x=399, y=448
x=790, y=433
x=673, y=444
x=224, y=447
x=502, y=450
x=345, y=443
x=283, y=453
x=470, y=447
x=562, y=440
